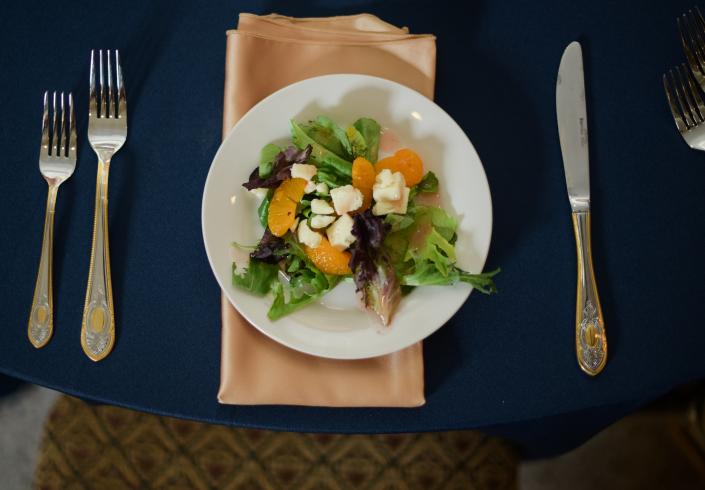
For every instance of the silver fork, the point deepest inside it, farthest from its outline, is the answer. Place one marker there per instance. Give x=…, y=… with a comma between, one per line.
x=107, y=131
x=686, y=105
x=691, y=27
x=57, y=161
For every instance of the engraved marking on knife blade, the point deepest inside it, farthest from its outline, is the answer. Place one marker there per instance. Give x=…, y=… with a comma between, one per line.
x=583, y=132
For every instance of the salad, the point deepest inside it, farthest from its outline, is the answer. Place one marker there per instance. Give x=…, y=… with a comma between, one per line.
x=332, y=210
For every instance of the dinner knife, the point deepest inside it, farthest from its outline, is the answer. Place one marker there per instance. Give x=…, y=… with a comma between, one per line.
x=590, y=339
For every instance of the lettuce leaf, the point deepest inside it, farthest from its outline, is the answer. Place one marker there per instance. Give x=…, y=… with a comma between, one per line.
x=373, y=272
x=257, y=278
x=358, y=147
x=427, y=274
x=302, y=283
x=266, y=159
x=369, y=232
x=423, y=251
x=329, y=135
x=322, y=156
x=370, y=131
x=263, y=209
x=269, y=249
x=428, y=184
x=332, y=178
x=382, y=293
x=281, y=170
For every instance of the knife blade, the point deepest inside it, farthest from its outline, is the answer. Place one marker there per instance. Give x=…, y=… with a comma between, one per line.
x=590, y=338
x=572, y=126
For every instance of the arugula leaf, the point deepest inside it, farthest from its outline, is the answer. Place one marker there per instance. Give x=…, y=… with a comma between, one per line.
x=328, y=134
x=358, y=147
x=257, y=278
x=482, y=282
x=322, y=156
x=426, y=274
x=263, y=209
x=266, y=159
x=370, y=131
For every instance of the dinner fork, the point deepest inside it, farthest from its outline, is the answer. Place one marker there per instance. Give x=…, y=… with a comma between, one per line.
x=107, y=131
x=686, y=105
x=691, y=27
x=57, y=161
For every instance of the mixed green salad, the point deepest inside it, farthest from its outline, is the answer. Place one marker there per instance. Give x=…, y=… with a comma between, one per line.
x=332, y=210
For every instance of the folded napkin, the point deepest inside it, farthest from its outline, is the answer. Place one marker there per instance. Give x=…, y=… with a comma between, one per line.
x=264, y=54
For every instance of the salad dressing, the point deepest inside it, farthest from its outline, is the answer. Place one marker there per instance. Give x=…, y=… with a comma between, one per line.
x=420, y=234
x=428, y=199
x=388, y=143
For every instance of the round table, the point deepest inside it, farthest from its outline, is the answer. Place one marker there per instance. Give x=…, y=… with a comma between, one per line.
x=504, y=363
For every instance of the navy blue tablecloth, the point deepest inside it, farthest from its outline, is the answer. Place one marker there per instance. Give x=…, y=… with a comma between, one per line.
x=504, y=363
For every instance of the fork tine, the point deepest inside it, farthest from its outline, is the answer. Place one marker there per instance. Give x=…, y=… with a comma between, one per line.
x=92, y=104
x=102, y=91
x=44, y=148
x=695, y=96
x=71, y=130
x=699, y=19
x=685, y=110
x=109, y=98
x=696, y=39
x=692, y=58
x=675, y=111
x=122, y=103
x=696, y=22
x=60, y=131
x=682, y=75
x=54, y=132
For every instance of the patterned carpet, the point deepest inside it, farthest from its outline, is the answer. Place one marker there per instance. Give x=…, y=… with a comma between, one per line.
x=102, y=447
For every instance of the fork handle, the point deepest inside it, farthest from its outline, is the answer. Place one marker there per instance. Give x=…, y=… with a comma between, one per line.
x=98, y=325
x=590, y=339
x=41, y=318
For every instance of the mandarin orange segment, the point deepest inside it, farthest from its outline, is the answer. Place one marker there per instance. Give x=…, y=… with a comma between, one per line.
x=363, y=179
x=405, y=161
x=329, y=259
x=282, y=208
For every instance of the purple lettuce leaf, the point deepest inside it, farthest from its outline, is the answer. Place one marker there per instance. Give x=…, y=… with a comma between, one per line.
x=374, y=275
x=282, y=168
x=269, y=248
x=369, y=232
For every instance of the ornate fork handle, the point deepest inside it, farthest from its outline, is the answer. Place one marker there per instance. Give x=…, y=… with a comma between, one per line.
x=98, y=325
x=590, y=338
x=41, y=319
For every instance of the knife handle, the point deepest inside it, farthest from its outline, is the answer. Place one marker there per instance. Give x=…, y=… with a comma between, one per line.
x=590, y=338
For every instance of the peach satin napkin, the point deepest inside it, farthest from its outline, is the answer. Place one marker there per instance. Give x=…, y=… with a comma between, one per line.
x=264, y=54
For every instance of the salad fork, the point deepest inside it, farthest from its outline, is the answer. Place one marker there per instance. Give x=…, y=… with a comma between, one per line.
x=687, y=106
x=57, y=161
x=691, y=27
x=107, y=131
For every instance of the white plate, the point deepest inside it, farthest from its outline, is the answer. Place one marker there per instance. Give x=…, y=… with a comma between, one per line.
x=336, y=327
